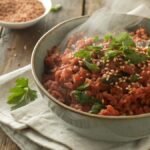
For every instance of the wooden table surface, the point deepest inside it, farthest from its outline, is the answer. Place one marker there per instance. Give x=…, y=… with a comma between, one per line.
x=16, y=45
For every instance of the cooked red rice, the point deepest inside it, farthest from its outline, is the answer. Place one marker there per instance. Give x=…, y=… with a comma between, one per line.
x=114, y=86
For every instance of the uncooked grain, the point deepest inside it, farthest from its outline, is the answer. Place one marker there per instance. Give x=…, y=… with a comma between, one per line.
x=20, y=10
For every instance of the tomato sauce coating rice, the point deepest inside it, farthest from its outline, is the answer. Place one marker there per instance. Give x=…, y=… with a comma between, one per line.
x=109, y=76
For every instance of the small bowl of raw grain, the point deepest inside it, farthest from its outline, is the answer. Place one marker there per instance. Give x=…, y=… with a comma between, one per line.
x=19, y=14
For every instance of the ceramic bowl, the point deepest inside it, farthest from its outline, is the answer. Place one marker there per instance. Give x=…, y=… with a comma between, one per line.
x=108, y=128
x=21, y=25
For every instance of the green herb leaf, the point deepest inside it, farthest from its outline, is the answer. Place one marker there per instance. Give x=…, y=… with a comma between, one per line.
x=134, y=78
x=56, y=8
x=121, y=41
x=82, y=97
x=135, y=57
x=22, y=82
x=96, y=39
x=21, y=94
x=95, y=48
x=83, y=54
x=108, y=37
x=92, y=67
x=87, y=52
x=83, y=86
x=148, y=51
x=96, y=108
x=124, y=38
x=111, y=54
x=124, y=45
x=111, y=79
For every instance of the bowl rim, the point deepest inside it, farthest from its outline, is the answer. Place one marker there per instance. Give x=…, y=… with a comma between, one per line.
x=46, y=11
x=41, y=87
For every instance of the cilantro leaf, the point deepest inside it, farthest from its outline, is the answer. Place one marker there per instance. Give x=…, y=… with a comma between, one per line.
x=83, y=54
x=92, y=67
x=111, y=79
x=121, y=41
x=108, y=37
x=134, y=78
x=22, y=82
x=148, y=51
x=111, y=54
x=87, y=52
x=96, y=107
x=124, y=45
x=82, y=97
x=135, y=57
x=124, y=38
x=56, y=8
x=83, y=86
x=21, y=94
x=96, y=39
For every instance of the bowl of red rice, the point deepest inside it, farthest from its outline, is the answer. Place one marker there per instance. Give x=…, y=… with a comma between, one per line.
x=100, y=87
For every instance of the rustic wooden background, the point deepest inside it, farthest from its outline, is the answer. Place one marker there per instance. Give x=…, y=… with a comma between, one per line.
x=16, y=45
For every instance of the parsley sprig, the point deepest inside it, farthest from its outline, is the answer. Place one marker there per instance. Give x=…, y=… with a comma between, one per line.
x=21, y=94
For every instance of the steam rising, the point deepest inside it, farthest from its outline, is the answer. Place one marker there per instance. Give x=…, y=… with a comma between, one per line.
x=114, y=16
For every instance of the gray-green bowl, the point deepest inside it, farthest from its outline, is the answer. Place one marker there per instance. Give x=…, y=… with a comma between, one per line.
x=108, y=128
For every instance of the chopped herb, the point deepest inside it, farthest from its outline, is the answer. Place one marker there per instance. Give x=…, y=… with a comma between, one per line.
x=108, y=37
x=121, y=41
x=134, y=78
x=56, y=8
x=124, y=45
x=96, y=39
x=83, y=86
x=21, y=94
x=95, y=49
x=92, y=67
x=148, y=51
x=83, y=54
x=111, y=79
x=87, y=52
x=96, y=108
x=111, y=54
x=135, y=57
x=124, y=38
x=82, y=97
